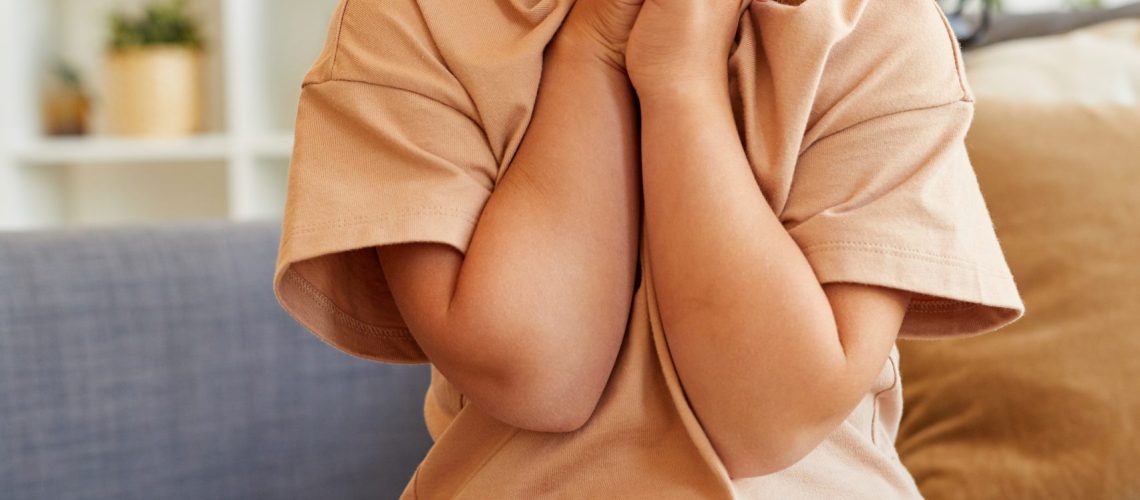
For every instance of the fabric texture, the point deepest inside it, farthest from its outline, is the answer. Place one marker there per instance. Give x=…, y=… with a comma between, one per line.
x=153, y=362
x=1049, y=408
x=852, y=114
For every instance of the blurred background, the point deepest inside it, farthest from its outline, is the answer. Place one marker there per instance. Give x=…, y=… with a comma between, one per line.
x=183, y=113
x=144, y=149
x=90, y=136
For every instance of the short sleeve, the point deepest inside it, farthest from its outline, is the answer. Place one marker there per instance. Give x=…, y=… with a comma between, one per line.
x=894, y=201
x=380, y=157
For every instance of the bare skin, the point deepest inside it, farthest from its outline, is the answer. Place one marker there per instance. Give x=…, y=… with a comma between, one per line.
x=734, y=289
x=528, y=324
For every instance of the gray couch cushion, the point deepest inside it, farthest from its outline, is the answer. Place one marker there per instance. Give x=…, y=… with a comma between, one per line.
x=1005, y=27
x=154, y=362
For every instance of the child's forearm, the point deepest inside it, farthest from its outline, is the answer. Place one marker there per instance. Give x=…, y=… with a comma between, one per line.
x=749, y=326
x=542, y=297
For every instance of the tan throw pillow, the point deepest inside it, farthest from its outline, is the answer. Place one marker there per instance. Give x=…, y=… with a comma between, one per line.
x=1048, y=407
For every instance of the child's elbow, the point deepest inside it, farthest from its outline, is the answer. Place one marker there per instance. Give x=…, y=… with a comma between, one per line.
x=543, y=392
x=773, y=449
x=767, y=457
x=558, y=385
x=546, y=407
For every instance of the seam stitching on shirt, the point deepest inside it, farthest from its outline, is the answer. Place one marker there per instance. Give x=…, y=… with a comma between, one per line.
x=875, y=401
x=954, y=51
x=874, y=415
x=877, y=117
x=884, y=245
x=894, y=375
x=887, y=249
x=336, y=42
x=366, y=219
x=393, y=87
x=944, y=307
x=446, y=65
x=492, y=455
x=325, y=303
x=416, y=481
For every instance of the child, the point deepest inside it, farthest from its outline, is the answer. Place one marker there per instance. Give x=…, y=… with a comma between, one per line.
x=444, y=206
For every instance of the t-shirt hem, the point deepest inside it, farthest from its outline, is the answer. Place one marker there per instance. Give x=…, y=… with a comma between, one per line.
x=974, y=300
x=318, y=313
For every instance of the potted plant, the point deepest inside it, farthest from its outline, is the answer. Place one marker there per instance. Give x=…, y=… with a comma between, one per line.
x=65, y=102
x=153, y=72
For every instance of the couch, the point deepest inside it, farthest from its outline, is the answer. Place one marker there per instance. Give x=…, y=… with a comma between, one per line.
x=153, y=362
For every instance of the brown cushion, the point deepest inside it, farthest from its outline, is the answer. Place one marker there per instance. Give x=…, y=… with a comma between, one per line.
x=1048, y=407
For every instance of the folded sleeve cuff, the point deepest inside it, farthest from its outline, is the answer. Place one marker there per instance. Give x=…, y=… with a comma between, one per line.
x=372, y=165
x=972, y=300
x=333, y=250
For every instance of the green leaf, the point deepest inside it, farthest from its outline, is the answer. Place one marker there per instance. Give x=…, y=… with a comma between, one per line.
x=165, y=22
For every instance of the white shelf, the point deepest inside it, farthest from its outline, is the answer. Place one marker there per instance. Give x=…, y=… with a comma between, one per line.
x=109, y=150
x=278, y=146
x=257, y=53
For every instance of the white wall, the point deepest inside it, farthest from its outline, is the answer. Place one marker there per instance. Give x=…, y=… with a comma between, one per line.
x=80, y=33
x=285, y=37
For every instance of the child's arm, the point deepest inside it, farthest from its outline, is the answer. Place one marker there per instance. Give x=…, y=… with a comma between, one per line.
x=784, y=271
x=770, y=360
x=529, y=323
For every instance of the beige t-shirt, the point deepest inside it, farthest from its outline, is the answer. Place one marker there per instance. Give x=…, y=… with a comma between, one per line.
x=852, y=113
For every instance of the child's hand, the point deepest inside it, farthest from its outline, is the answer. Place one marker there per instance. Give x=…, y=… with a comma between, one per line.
x=679, y=44
x=601, y=26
